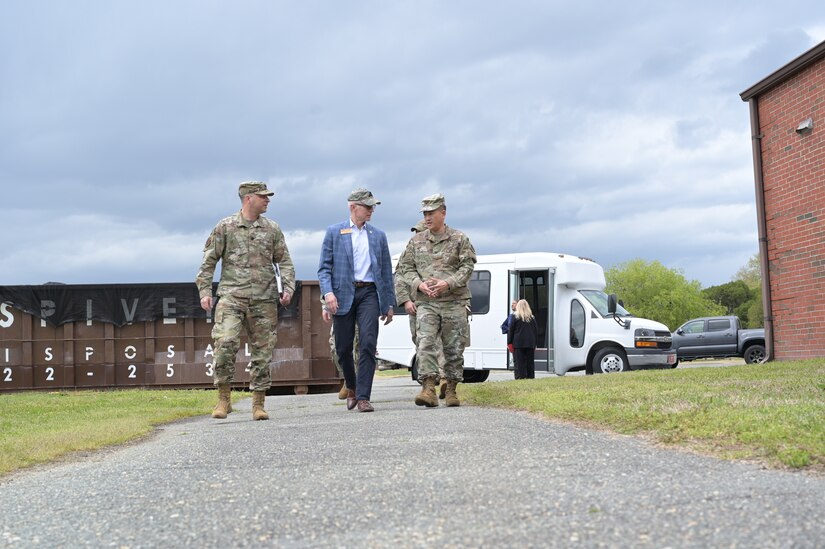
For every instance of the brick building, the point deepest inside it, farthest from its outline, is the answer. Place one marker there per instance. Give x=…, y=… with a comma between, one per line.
x=787, y=111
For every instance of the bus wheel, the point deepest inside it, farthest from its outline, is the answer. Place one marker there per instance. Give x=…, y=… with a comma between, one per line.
x=476, y=376
x=414, y=370
x=610, y=360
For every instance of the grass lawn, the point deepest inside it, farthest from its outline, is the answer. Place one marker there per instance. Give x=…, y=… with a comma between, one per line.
x=774, y=412
x=40, y=427
x=397, y=372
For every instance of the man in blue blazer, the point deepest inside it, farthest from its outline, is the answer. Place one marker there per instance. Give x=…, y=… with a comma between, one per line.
x=355, y=275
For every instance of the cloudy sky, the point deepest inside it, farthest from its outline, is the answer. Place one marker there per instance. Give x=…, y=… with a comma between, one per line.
x=612, y=130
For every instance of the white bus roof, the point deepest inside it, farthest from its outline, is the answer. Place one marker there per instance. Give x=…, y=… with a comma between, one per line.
x=528, y=260
x=571, y=270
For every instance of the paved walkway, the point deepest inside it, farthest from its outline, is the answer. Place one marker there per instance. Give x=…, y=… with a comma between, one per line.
x=319, y=476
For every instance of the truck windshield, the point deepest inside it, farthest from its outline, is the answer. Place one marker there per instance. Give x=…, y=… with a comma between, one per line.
x=598, y=299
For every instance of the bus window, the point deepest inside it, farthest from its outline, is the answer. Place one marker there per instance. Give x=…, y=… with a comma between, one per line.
x=479, y=285
x=577, y=319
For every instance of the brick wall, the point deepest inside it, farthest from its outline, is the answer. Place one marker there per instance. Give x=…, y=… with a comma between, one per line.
x=794, y=178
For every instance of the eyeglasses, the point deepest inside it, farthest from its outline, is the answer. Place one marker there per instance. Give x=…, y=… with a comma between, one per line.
x=367, y=207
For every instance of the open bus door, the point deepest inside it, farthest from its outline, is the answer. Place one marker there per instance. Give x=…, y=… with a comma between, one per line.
x=536, y=287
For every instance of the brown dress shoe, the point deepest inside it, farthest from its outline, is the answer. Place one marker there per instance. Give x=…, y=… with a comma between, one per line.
x=350, y=399
x=365, y=406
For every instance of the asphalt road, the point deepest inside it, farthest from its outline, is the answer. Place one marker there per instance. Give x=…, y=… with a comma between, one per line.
x=316, y=475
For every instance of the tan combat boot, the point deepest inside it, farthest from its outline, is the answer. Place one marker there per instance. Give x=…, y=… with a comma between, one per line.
x=228, y=399
x=258, y=411
x=442, y=391
x=452, y=398
x=427, y=396
x=342, y=394
x=224, y=402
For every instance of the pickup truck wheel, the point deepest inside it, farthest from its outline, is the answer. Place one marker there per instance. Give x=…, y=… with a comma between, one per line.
x=609, y=360
x=675, y=363
x=755, y=354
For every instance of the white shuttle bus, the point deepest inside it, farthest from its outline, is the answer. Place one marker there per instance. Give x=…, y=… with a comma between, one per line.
x=580, y=327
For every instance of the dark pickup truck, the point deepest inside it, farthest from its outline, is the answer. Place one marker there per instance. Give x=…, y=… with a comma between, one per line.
x=718, y=337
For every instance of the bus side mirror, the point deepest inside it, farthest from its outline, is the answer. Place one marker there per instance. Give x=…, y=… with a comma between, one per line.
x=611, y=310
x=611, y=304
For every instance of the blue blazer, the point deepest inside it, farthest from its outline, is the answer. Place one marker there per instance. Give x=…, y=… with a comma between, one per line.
x=336, y=271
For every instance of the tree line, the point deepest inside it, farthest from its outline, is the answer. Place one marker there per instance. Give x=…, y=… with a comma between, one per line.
x=651, y=290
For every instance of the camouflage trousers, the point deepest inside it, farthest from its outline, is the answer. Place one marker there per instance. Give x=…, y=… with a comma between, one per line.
x=335, y=353
x=441, y=326
x=414, y=334
x=260, y=318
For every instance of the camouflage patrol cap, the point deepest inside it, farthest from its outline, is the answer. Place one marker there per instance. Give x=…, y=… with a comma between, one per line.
x=253, y=187
x=418, y=227
x=362, y=196
x=432, y=202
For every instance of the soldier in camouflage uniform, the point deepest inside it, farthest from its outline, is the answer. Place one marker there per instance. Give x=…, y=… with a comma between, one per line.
x=403, y=293
x=250, y=247
x=438, y=263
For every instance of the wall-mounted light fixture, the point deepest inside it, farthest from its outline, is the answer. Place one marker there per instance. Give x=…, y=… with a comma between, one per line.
x=805, y=125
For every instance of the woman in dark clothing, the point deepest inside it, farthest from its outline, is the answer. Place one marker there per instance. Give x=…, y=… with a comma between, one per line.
x=522, y=337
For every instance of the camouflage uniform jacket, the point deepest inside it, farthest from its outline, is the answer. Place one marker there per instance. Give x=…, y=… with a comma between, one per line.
x=248, y=250
x=448, y=256
x=403, y=291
